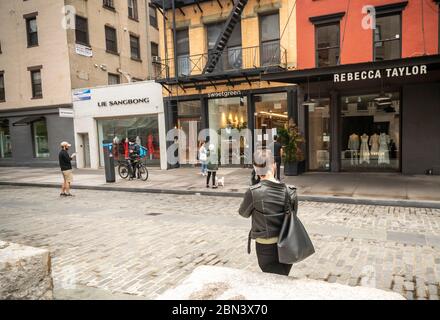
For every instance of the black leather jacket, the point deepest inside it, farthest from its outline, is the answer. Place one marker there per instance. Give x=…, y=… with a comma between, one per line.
x=267, y=202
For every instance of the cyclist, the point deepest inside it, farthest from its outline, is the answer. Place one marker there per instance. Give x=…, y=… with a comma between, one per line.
x=133, y=157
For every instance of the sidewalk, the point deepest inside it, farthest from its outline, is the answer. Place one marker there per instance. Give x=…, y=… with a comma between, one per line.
x=361, y=188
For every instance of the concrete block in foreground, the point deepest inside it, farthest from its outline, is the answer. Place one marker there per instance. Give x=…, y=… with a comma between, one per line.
x=219, y=283
x=25, y=272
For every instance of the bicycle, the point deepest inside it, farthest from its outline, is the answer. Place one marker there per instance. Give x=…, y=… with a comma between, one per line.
x=125, y=170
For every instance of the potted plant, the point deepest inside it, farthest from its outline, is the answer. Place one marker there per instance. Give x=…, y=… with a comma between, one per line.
x=293, y=155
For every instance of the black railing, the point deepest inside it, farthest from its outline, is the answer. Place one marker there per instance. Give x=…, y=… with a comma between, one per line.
x=231, y=59
x=177, y=3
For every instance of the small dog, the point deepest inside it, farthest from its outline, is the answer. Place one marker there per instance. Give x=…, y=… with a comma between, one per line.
x=220, y=182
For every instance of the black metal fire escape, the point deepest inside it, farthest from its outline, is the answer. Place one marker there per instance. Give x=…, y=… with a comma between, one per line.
x=224, y=36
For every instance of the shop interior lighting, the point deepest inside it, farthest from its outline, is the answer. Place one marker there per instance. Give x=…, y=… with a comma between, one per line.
x=274, y=114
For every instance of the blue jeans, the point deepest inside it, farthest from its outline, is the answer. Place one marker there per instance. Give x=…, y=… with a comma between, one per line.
x=204, y=166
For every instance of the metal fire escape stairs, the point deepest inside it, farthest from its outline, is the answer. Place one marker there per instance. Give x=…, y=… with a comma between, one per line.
x=225, y=35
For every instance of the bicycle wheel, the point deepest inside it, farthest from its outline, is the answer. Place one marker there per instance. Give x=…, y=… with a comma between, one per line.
x=123, y=171
x=143, y=172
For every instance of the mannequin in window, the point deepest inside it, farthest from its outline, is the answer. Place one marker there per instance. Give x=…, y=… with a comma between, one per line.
x=353, y=146
x=150, y=145
x=384, y=157
x=116, y=147
x=365, y=151
x=126, y=149
x=374, y=144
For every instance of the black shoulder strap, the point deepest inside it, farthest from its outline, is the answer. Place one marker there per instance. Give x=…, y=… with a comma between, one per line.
x=287, y=200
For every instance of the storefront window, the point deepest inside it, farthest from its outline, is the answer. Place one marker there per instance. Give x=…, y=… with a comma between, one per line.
x=189, y=114
x=229, y=113
x=5, y=140
x=319, y=135
x=370, y=132
x=41, y=141
x=143, y=129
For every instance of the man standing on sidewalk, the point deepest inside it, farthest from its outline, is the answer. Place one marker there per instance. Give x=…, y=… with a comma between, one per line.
x=278, y=155
x=66, y=168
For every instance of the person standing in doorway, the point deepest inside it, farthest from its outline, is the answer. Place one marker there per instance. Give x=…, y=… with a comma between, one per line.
x=176, y=151
x=203, y=158
x=278, y=155
x=212, y=165
x=266, y=204
x=65, y=161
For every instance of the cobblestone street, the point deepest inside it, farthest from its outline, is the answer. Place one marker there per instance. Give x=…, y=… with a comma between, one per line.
x=125, y=243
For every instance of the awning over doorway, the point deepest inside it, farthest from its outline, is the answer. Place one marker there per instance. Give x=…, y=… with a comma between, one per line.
x=28, y=120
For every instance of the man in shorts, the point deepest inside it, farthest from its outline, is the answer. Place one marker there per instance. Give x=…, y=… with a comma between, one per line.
x=66, y=168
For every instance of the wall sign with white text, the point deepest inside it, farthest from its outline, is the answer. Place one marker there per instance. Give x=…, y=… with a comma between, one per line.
x=379, y=74
x=83, y=50
x=224, y=94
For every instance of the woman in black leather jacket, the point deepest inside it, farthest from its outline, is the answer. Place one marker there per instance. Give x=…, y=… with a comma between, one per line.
x=266, y=202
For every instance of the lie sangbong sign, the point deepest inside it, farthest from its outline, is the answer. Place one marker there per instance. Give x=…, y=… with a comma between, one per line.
x=381, y=73
x=123, y=102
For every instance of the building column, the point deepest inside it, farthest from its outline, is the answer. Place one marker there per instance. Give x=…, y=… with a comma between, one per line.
x=204, y=112
x=169, y=116
x=251, y=119
x=335, y=126
x=292, y=104
x=162, y=140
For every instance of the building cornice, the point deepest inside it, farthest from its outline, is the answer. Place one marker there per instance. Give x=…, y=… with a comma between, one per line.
x=329, y=18
x=391, y=8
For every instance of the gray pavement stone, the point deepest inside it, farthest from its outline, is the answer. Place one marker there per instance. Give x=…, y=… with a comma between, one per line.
x=406, y=238
x=433, y=240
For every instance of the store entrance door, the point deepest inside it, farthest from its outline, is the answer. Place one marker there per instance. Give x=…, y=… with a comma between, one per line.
x=270, y=115
x=190, y=125
x=319, y=135
x=85, y=149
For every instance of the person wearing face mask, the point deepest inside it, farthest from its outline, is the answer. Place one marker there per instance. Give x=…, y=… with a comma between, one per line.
x=133, y=158
x=65, y=161
x=266, y=203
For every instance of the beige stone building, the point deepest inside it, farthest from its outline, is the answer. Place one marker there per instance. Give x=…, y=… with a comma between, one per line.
x=213, y=54
x=48, y=48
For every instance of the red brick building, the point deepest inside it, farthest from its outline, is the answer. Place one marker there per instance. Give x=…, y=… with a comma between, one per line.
x=368, y=76
x=418, y=37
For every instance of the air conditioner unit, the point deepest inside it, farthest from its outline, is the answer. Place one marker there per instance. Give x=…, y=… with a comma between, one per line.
x=156, y=59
